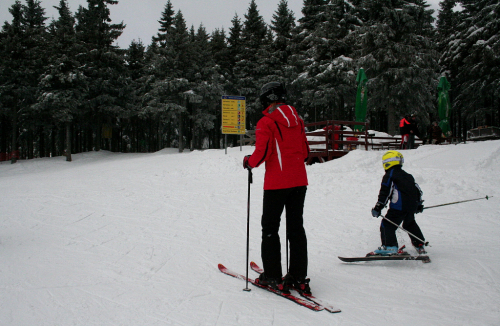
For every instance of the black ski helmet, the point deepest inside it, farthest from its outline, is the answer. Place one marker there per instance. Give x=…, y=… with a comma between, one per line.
x=272, y=92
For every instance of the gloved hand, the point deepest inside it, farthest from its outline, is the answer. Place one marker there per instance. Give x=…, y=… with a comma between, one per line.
x=420, y=208
x=245, y=162
x=377, y=210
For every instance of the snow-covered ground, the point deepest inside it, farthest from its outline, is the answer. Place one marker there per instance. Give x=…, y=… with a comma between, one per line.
x=135, y=239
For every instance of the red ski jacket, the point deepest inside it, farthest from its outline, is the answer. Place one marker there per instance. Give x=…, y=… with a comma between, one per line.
x=281, y=142
x=404, y=126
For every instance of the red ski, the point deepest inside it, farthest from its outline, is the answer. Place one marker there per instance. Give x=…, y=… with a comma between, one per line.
x=310, y=297
x=305, y=303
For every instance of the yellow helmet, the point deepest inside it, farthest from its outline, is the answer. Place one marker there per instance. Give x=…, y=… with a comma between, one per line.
x=392, y=158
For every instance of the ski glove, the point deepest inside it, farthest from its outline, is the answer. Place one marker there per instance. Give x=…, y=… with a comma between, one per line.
x=245, y=162
x=420, y=208
x=377, y=210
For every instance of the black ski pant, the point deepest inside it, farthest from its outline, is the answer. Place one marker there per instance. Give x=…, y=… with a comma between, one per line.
x=388, y=230
x=292, y=199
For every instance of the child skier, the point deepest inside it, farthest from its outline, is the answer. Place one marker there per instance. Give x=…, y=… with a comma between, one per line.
x=405, y=198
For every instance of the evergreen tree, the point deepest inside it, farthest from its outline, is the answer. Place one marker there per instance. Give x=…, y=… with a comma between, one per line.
x=473, y=55
x=396, y=49
x=11, y=77
x=446, y=24
x=170, y=92
x=220, y=51
x=282, y=25
x=314, y=11
x=24, y=45
x=136, y=60
x=327, y=81
x=247, y=71
x=208, y=85
x=221, y=80
x=303, y=40
x=63, y=84
x=447, y=19
x=234, y=49
x=104, y=66
x=274, y=56
x=166, y=23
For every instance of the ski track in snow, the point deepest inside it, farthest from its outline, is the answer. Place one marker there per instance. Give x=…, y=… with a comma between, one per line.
x=135, y=239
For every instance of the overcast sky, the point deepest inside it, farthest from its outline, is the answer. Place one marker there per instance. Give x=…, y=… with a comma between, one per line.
x=141, y=16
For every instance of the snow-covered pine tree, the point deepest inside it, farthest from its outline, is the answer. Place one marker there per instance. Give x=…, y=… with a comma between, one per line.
x=24, y=45
x=166, y=22
x=63, y=85
x=11, y=79
x=247, y=72
x=447, y=22
x=171, y=70
x=136, y=60
x=234, y=48
x=220, y=80
x=207, y=85
x=273, y=56
x=332, y=67
x=397, y=50
x=104, y=67
x=282, y=25
x=477, y=57
x=302, y=52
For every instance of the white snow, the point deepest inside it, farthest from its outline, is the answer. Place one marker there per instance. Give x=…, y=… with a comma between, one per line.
x=135, y=239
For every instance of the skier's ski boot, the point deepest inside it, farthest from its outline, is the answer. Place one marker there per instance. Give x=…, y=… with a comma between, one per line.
x=301, y=285
x=420, y=249
x=384, y=251
x=274, y=283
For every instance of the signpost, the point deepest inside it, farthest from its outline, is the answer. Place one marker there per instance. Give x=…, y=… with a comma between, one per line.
x=233, y=116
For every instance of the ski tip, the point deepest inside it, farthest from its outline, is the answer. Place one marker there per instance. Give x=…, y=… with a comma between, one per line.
x=426, y=259
x=333, y=311
x=221, y=267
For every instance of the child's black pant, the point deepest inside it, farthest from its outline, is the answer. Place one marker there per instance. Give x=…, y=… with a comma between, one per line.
x=388, y=230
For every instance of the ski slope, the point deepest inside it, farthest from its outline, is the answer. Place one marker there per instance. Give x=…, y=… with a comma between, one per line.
x=135, y=239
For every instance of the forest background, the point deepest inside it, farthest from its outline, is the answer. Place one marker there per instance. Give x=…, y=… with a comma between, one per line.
x=66, y=88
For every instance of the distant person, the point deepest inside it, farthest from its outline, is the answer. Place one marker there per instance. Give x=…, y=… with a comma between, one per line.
x=402, y=193
x=436, y=133
x=414, y=132
x=281, y=142
x=404, y=130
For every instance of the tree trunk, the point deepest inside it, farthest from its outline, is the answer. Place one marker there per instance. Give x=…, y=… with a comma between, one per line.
x=181, y=133
x=14, y=136
x=3, y=135
x=41, y=142
x=68, y=141
x=169, y=133
x=98, y=134
x=391, y=120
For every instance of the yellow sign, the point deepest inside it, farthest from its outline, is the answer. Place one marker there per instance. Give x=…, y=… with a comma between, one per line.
x=233, y=115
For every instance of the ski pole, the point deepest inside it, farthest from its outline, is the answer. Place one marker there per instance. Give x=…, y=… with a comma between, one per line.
x=458, y=202
x=250, y=180
x=287, y=250
x=425, y=243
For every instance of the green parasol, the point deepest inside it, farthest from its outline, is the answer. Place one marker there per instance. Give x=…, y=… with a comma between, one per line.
x=361, y=98
x=444, y=105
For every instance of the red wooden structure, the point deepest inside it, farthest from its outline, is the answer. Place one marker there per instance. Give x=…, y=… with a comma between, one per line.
x=332, y=141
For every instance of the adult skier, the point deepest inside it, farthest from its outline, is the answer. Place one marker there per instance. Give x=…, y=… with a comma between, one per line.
x=281, y=143
x=404, y=130
x=405, y=196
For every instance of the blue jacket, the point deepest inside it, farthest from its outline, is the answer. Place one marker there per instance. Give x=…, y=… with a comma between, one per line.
x=400, y=188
